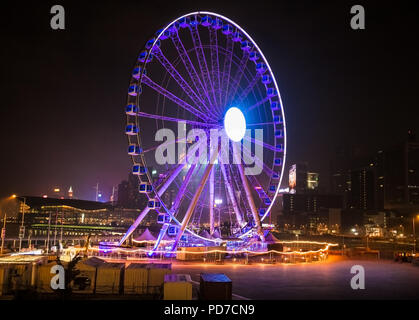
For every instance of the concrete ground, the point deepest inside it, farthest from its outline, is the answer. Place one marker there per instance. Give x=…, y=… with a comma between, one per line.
x=384, y=279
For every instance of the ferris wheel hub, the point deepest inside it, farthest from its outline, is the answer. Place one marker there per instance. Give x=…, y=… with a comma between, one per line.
x=235, y=124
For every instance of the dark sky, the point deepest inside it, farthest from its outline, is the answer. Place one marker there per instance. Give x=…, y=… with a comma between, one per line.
x=63, y=92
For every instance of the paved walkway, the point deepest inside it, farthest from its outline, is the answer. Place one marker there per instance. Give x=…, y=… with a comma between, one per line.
x=323, y=280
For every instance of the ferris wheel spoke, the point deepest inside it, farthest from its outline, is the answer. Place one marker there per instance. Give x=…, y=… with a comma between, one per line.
x=183, y=54
x=182, y=190
x=191, y=122
x=259, y=124
x=238, y=76
x=277, y=148
x=227, y=68
x=259, y=103
x=235, y=181
x=249, y=88
x=200, y=55
x=268, y=171
x=166, y=143
x=236, y=178
x=231, y=195
x=245, y=183
x=211, y=200
x=150, y=83
x=195, y=198
x=215, y=66
x=178, y=78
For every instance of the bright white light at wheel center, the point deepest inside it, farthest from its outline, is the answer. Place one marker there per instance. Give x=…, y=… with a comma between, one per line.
x=235, y=124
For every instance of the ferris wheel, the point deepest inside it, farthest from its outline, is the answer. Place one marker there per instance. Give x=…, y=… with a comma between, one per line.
x=200, y=74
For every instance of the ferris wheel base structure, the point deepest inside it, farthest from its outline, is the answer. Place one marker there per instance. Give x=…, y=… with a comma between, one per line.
x=203, y=72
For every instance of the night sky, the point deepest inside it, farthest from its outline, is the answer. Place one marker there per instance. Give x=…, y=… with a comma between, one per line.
x=63, y=92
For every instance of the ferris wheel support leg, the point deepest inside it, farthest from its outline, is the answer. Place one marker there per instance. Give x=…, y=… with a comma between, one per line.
x=160, y=237
x=231, y=195
x=211, y=204
x=236, y=154
x=146, y=209
x=195, y=198
x=175, y=206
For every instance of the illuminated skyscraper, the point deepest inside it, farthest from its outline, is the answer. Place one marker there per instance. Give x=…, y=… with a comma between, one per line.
x=312, y=181
x=302, y=181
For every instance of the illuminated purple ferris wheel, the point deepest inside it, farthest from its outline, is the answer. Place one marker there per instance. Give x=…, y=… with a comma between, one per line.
x=200, y=74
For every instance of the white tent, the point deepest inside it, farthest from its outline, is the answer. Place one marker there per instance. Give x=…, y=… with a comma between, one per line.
x=146, y=236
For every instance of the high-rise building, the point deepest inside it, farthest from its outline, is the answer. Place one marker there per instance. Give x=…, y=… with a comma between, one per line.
x=395, y=177
x=401, y=173
x=312, y=181
x=297, y=203
x=302, y=181
x=387, y=180
x=70, y=192
x=128, y=191
x=128, y=194
x=344, y=160
x=363, y=189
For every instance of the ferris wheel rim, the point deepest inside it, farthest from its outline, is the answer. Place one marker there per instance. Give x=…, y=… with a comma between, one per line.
x=279, y=97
